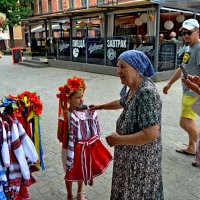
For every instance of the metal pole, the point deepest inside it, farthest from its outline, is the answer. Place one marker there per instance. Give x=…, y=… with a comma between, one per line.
x=105, y=36
x=29, y=36
x=157, y=42
x=61, y=32
x=46, y=33
x=70, y=38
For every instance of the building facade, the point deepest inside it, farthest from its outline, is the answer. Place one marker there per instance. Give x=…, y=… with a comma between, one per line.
x=97, y=31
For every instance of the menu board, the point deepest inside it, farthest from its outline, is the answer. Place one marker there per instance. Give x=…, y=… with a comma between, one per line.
x=16, y=55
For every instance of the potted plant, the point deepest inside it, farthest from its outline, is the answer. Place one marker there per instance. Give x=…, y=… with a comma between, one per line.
x=151, y=18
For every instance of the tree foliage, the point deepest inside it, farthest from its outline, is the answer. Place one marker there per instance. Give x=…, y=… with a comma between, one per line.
x=15, y=10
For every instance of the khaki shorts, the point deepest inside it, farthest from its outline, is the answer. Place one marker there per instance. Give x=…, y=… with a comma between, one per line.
x=187, y=111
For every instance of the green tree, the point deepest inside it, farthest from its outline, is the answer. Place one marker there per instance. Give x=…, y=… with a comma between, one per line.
x=15, y=10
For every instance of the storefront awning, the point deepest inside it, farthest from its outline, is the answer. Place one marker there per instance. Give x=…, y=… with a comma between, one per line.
x=36, y=29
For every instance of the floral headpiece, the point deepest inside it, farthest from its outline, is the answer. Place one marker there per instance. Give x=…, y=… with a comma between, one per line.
x=73, y=85
x=27, y=102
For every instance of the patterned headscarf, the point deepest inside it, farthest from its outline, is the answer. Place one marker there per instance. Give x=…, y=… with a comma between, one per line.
x=140, y=62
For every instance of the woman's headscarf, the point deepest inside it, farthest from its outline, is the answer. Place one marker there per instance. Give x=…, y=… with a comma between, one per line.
x=140, y=62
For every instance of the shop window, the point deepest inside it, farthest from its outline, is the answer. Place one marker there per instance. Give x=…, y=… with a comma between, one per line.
x=49, y=6
x=60, y=6
x=167, y=56
x=71, y=4
x=40, y=6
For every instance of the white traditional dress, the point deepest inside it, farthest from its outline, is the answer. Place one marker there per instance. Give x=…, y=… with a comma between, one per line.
x=17, y=152
x=87, y=157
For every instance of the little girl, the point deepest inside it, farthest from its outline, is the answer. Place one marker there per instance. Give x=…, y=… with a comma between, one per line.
x=83, y=154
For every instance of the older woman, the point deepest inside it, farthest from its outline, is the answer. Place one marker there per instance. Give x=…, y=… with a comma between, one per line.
x=137, y=140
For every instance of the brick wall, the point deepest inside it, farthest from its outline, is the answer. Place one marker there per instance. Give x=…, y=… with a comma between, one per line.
x=45, y=6
x=65, y=4
x=36, y=11
x=92, y=2
x=77, y=4
x=54, y=4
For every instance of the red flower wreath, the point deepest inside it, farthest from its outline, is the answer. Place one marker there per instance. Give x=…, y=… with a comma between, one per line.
x=27, y=101
x=73, y=85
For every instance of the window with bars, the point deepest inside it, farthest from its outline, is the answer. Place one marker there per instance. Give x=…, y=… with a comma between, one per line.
x=49, y=6
x=60, y=5
x=71, y=3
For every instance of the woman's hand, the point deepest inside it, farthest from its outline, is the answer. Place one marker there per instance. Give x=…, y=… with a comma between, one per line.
x=142, y=137
x=94, y=107
x=113, y=139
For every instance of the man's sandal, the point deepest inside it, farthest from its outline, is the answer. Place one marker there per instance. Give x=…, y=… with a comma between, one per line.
x=81, y=196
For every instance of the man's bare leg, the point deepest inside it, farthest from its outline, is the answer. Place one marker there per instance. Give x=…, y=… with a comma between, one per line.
x=190, y=127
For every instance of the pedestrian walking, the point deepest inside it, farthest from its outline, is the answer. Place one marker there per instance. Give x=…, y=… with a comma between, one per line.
x=193, y=82
x=191, y=64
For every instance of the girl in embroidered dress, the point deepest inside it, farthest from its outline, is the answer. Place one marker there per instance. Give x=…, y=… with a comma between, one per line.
x=74, y=99
x=83, y=154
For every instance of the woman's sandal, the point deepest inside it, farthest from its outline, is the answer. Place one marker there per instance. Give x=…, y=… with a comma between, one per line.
x=194, y=163
x=81, y=196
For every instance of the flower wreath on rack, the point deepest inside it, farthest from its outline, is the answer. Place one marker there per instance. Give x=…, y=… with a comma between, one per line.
x=73, y=85
x=29, y=104
x=28, y=113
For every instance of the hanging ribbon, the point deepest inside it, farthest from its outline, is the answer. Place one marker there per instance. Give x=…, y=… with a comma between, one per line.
x=36, y=135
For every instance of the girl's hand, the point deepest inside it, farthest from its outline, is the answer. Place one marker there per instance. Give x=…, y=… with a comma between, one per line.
x=60, y=138
x=60, y=131
x=113, y=139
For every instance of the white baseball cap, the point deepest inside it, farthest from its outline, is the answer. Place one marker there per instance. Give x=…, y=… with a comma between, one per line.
x=190, y=24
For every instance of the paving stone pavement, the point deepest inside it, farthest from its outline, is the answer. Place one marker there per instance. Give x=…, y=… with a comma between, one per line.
x=181, y=180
